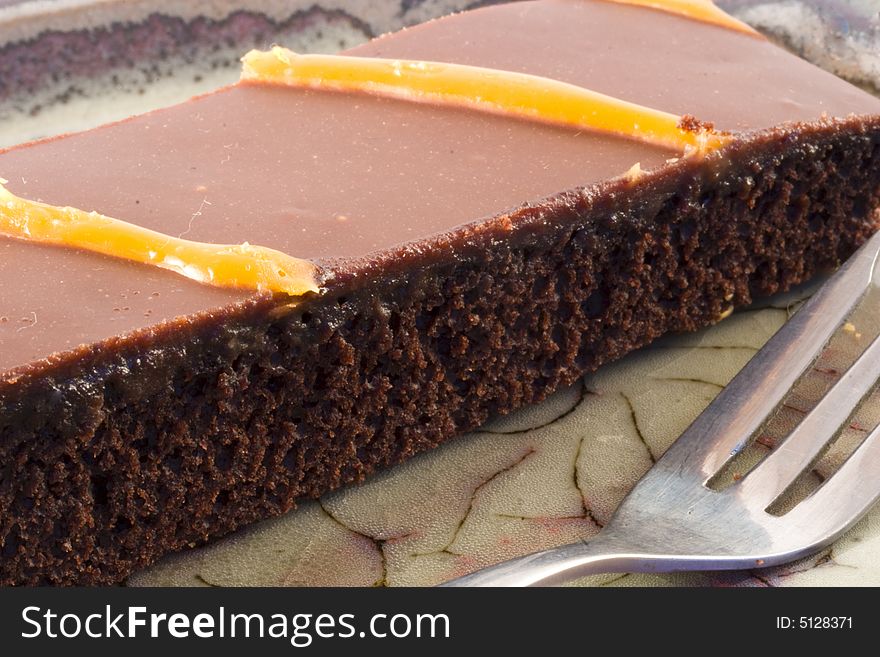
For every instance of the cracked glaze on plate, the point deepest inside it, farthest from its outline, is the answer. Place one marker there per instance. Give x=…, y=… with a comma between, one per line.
x=543, y=476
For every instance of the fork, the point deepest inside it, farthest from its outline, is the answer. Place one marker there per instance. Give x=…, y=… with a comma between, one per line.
x=672, y=521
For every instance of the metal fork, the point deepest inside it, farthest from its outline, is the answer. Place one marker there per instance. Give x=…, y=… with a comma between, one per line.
x=671, y=521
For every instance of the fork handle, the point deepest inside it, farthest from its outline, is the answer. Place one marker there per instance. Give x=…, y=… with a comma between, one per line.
x=560, y=565
x=605, y=553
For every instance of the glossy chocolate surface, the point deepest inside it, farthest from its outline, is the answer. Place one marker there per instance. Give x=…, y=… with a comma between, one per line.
x=342, y=178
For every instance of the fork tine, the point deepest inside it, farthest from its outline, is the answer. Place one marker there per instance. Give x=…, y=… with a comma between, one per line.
x=845, y=496
x=774, y=474
x=738, y=412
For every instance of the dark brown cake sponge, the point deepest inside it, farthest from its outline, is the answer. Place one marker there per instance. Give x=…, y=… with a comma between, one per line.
x=114, y=456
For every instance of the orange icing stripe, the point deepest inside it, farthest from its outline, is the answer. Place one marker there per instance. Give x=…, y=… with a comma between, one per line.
x=701, y=10
x=225, y=265
x=499, y=92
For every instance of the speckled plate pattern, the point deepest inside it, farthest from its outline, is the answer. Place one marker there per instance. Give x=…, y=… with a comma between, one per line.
x=546, y=475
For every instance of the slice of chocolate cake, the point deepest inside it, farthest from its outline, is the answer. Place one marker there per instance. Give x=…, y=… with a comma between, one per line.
x=464, y=262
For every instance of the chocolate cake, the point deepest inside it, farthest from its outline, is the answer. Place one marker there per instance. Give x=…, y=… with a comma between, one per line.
x=466, y=263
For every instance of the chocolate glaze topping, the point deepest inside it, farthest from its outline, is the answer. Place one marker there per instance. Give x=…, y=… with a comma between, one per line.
x=343, y=179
